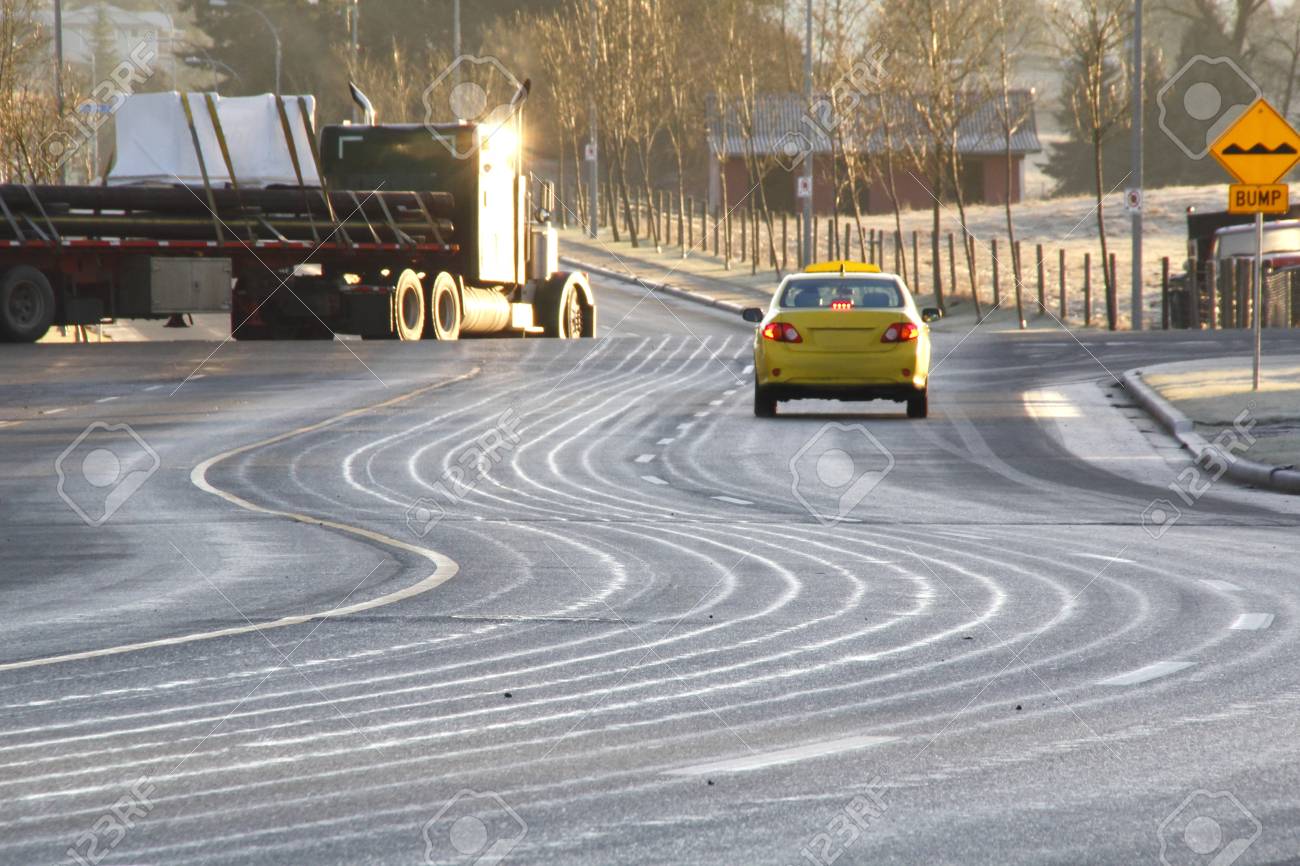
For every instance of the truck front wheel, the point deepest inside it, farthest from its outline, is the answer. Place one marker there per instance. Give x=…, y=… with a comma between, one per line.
x=26, y=305
x=565, y=307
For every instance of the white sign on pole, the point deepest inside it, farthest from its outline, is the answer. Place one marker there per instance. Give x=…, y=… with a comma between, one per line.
x=1133, y=200
x=589, y=152
x=803, y=187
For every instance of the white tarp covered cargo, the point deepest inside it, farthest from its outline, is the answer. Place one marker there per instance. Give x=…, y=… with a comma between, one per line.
x=154, y=144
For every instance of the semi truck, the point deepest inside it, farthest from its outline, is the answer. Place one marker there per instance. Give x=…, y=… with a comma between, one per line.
x=413, y=231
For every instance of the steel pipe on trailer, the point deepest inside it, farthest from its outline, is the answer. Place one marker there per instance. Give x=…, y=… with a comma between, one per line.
x=243, y=228
x=375, y=205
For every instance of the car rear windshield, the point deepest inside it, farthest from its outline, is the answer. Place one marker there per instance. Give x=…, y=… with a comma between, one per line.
x=864, y=293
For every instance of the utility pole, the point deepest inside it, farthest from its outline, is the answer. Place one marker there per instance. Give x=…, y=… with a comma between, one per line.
x=455, y=33
x=354, y=24
x=808, y=163
x=58, y=73
x=593, y=194
x=1137, y=164
x=270, y=26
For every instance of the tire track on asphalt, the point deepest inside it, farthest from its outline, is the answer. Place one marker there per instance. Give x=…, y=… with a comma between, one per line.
x=444, y=568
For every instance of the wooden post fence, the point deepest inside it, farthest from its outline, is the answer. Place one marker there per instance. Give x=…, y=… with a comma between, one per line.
x=1042, y=280
x=997, y=284
x=916, y=261
x=1061, y=268
x=1087, y=290
x=952, y=266
x=1164, y=293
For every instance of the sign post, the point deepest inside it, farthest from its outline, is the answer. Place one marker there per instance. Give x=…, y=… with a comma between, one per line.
x=1258, y=150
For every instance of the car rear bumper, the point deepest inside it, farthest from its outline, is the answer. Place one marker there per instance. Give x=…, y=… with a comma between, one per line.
x=789, y=391
x=895, y=369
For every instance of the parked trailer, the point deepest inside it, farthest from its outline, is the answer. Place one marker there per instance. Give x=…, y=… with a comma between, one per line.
x=416, y=232
x=1218, y=237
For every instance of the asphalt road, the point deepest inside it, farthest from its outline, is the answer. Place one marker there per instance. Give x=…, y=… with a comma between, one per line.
x=572, y=602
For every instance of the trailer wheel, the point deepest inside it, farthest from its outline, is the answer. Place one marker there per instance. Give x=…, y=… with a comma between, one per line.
x=444, y=308
x=26, y=305
x=408, y=307
x=247, y=312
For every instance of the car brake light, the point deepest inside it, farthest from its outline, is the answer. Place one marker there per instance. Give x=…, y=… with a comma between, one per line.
x=902, y=332
x=842, y=304
x=781, y=332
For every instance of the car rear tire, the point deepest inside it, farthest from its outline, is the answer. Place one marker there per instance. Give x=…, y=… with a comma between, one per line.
x=918, y=405
x=764, y=405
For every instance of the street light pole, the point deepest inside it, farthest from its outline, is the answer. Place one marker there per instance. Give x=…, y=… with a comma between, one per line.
x=455, y=31
x=58, y=73
x=354, y=24
x=593, y=194
x=808, y=162
x=275, y=34
x=1136, y=229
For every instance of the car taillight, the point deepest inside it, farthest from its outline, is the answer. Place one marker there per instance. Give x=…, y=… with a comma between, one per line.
x=901, y=332
x=841, y=305
x=781, y=332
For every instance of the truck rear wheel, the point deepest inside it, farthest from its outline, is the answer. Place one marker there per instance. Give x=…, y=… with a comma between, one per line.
x=26, y=305
x=444, y=308
x=408, y=307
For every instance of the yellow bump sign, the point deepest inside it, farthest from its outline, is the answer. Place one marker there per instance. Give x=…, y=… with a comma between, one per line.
x=1262, y=198
x=1259, y=148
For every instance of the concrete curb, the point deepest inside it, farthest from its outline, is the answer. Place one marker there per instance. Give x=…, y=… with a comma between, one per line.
x=1282, y=479
x=666, y=288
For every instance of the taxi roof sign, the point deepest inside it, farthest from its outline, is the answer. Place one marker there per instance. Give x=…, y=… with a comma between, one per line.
x=1260, y=147
x=842, y=266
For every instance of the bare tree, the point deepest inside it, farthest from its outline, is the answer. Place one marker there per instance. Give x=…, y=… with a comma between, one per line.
x=28, y=115
x=559, y=45
x=1091, y=34
x=395, y=85
x=948, y=45
x=1013, y=20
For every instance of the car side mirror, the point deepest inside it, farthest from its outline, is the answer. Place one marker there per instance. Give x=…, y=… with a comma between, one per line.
x=929, y=314
x=752, y=314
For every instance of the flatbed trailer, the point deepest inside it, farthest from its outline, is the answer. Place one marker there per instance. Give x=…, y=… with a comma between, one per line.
x=417, y=231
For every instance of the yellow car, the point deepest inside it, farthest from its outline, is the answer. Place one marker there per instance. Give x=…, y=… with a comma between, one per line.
x=841, y=331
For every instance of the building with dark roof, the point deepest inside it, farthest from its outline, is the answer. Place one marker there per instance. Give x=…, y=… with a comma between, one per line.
x=783, y=132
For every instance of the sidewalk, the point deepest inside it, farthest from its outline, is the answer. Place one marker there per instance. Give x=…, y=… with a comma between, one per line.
x=697, y=277
x=702, y=277
x=207, y=326
x=1211, y=400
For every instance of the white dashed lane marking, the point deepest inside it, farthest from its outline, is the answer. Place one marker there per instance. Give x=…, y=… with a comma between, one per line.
x=1252, y=621
x=667, y=440
x=653, y=479
x=1145, y=674
x=1223, y=585
x=106, y=399
x=733, y=500
x=645, y=458
x=1103, y=557
x=781, y=756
